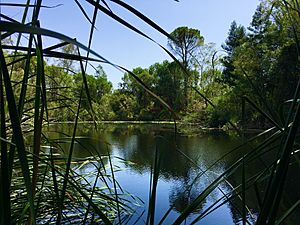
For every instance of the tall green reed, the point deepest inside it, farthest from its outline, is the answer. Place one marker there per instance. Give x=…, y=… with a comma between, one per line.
x=33, y=164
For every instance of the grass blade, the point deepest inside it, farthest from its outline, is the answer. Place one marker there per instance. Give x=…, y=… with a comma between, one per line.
x=115, y=187
x=91, y=32
x=92, y=194
x=86, y=88
x=142, y=17
x=16, y=126
x=48, y=53
x=244, y=213
x=5, y=208
x=29, y=5
x=153, y=188
x=262, y=112
x=274, y=192
x=38, y=116
x=288, y=213
x=83, y=11
x=68, y=165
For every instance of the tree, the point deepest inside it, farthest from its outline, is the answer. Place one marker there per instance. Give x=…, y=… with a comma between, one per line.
x=185, y=42
x=262, y=64
x=207, y=62
x=169, y=83
x=165, y=79
x=103, y=86
x=98, y=87
x=60, y=95
x=132, y=87
x=236, y=37
x=123, y=105
x=68, y=64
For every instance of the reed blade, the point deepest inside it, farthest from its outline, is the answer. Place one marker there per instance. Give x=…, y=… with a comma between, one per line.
x=17, y=131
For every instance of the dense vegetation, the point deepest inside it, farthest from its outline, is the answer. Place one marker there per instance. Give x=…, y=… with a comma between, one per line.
x=251, y=82
x=257, y=67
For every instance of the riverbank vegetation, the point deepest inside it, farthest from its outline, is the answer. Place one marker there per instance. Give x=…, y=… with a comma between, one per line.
x=252, y=82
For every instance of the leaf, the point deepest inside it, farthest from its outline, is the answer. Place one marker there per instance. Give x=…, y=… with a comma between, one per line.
x=68, y=165
x=288, y=213
x=5, y=207
x=16, y=127
x=142, y=16
x=153, y=188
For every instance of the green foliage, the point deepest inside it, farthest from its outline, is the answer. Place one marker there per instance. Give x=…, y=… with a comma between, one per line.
x=185, y=43
x=217, y=117
x=262, y=63
x=144, y=102
x=236, y=37
x=98, y=86
x=60, y=96
x=65, y=63
x=166, y=79
x=169, y=84
x=123, y=105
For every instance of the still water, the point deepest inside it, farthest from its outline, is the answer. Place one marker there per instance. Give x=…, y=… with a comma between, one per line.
x=183, y=158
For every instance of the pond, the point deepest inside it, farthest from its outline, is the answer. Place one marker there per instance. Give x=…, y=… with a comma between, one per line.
x=181, y=178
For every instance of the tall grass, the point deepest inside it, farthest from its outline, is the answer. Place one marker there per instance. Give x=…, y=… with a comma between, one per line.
x=53, y=191
x=38, y=185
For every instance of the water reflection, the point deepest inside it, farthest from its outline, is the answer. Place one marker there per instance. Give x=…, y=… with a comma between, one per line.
x=182, y=195
x=183, y=159
x=181, y=154
x=88, y=141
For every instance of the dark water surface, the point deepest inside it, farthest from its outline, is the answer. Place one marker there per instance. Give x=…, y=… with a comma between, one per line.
x=184, y=157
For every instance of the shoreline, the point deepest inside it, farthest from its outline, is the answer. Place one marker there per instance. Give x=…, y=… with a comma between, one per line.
x=136, y=122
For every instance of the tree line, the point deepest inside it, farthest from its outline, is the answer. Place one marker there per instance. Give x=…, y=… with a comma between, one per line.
x=253, y=75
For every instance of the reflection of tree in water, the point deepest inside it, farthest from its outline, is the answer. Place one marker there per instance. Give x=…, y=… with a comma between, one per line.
x=91, y=146
x=140, y=149
x=88, y=141
x=138, y=143
x=183, y=194
x=86, y=162
x=121, y=134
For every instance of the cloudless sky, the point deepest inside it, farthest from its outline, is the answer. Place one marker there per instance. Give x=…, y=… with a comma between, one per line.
x=122, y=46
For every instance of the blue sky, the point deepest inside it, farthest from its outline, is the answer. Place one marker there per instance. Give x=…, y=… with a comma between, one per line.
x=126, y=48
